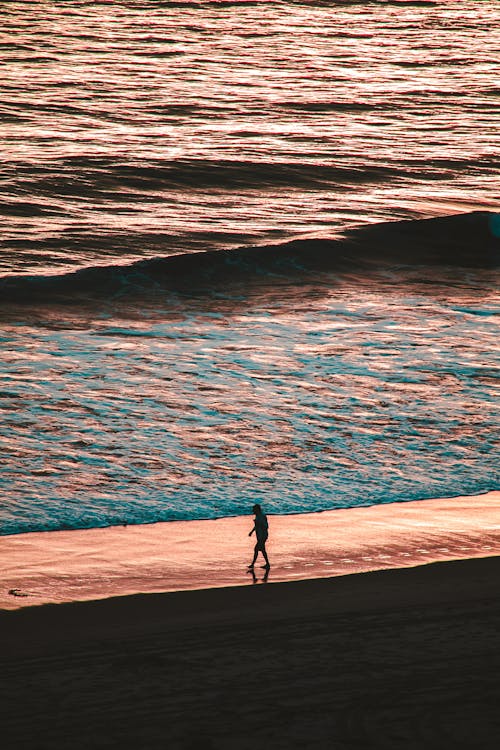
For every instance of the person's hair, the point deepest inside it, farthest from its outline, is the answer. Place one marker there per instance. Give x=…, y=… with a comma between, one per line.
x=256, y=508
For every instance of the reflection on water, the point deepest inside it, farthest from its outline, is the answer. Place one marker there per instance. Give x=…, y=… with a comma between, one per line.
x=305, y=397
x=260, y=576
x=69, y=565
x=134, y=129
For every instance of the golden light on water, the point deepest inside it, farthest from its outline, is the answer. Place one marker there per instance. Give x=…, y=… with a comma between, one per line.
x=219, y=125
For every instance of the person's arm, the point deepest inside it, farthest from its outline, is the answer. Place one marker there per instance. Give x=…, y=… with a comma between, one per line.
x=251, y=532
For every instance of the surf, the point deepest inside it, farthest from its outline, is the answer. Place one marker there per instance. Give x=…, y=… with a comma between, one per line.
x=469, y=240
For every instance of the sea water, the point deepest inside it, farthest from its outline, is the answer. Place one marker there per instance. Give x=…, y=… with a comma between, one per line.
x=134, y=389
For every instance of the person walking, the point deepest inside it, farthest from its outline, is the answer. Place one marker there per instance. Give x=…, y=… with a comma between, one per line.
x=261, y=528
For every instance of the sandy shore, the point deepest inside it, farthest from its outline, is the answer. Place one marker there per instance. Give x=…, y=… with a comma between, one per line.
x=64, y=566
x=404, y=659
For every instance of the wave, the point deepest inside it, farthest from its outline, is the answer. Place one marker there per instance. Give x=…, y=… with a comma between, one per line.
x=470, y=240
x=35, y=190
x=98, y=177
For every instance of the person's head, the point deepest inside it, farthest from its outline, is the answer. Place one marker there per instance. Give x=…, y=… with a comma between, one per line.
x=256, y=508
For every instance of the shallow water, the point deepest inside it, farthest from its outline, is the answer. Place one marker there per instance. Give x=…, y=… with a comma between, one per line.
x=308, y=397
x=88, y=564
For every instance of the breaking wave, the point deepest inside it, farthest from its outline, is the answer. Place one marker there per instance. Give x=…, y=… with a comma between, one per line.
x=470, y=240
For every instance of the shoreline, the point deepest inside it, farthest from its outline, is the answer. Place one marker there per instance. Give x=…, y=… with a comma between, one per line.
x=62, y=566
x=391, y=503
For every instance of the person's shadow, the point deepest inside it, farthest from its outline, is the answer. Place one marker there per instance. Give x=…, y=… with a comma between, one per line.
x=259, y=580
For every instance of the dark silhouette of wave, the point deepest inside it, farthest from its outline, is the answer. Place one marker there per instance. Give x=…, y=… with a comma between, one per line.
x=91, y=177
x=469, y=240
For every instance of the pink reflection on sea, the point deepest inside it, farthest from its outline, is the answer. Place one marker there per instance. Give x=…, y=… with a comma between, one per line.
x=307, y=397
x=137, y=132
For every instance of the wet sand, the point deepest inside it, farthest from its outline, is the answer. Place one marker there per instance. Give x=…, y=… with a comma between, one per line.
x=61, y=566
x=404, y=659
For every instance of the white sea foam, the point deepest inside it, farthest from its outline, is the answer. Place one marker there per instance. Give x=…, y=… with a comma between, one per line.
x=352, y=396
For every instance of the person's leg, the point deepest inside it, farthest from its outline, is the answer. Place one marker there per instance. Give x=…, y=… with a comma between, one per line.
x=264, y=554
x=255, y=553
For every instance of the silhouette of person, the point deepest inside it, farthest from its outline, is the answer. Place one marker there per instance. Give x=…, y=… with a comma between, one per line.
x=261, y=528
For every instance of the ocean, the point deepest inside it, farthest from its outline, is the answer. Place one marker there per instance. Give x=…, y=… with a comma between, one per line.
x=249, y=252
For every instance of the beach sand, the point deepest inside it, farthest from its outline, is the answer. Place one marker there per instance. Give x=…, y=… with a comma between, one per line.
x=398, y=658
x=390, y=659
x=90, y=564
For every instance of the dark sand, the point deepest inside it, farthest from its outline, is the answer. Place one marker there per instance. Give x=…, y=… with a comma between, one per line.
x=390, y=659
